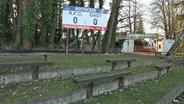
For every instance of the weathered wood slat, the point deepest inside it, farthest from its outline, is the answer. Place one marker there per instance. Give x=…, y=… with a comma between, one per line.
x=24, y=64
x=120, y=60
x=92, y=79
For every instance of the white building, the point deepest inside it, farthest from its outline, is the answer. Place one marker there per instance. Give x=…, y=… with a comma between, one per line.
x=128, y=46
x=164, y=45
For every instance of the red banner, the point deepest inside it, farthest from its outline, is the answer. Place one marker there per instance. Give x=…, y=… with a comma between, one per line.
x=84, y=27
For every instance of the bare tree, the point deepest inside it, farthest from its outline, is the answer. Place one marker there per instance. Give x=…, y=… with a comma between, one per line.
x=130, y=13
x=163, y=16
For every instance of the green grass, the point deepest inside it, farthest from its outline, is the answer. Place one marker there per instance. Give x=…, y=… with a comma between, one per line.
x=70, y=61
x=136, y=70
x=182, y=100
x=27, y=91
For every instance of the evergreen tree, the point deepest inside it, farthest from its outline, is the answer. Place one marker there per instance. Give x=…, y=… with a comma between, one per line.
x=28, y=25
x=140, y=26
x=48, y=22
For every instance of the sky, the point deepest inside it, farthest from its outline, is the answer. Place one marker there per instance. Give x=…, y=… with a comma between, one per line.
x=146, y=2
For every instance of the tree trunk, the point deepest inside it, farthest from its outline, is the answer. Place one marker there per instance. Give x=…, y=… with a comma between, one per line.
x=169, y=20
x=19, y=23
x=91, y=5
x=108, y=40
x=129, y=17
x=59, y=23
x=135, y=16
x=10, y=3
x=164, y=18
x=27, y=25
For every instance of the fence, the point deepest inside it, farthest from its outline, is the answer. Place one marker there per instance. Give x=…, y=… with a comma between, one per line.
x=145, y=49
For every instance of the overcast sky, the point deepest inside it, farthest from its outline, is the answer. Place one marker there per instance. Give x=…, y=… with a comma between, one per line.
x=146, y=2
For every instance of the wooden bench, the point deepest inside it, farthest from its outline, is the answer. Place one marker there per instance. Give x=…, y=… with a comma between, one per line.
x=92, y=81
x=34, y=66
x=115, y=61
x=176, y=61
x=166, y=66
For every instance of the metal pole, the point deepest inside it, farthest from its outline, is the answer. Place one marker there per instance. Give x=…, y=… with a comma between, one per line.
x=67, y=35
x=99, y=43
x=82, y=43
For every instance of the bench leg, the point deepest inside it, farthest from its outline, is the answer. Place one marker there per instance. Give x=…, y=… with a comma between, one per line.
x=35, y=72
x=90, y=90
x=129, y=64
x=168, y=69
x=159, y=71
x=121, y=83
x=46, y=58
x=113, y=65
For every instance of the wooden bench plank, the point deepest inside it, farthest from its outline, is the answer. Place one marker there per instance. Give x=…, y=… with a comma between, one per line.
x=115, y=61
x=24, y=64
x=120, y=60
x=92, y=79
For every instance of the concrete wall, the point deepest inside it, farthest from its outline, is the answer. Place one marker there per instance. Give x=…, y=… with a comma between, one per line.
x=106, y=87
x=25, y=77
x=16, y=77
x=138, y=78
x=69, y=97
x=56, y=73
x=91, y=70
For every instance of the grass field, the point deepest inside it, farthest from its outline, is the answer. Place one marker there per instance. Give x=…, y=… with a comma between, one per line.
x=146, y=92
